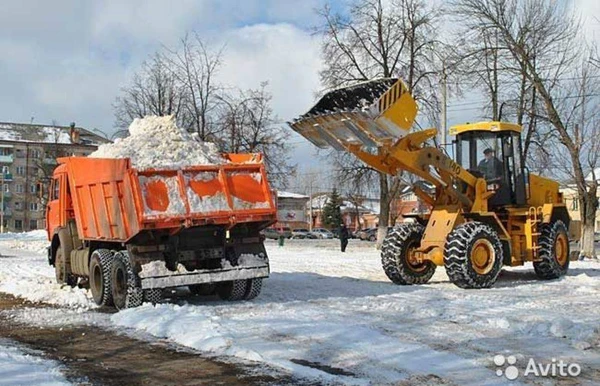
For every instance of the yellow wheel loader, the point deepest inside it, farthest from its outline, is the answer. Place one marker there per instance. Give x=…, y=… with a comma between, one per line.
x=487, y=210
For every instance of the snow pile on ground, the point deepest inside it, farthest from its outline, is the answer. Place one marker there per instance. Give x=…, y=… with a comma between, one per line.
x=35, y=241
x=157, y=142
x=333, y=317
x=28, y=275
x=20, y=368
x=337, y=318
x=37, y=235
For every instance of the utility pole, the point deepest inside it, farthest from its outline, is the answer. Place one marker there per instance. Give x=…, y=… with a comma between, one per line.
x=444, y=105
x=310, y=222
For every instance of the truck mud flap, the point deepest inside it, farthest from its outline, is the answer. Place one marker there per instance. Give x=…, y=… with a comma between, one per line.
x=191, y=278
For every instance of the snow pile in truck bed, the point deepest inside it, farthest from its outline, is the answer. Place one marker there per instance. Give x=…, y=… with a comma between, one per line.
x=156, y=142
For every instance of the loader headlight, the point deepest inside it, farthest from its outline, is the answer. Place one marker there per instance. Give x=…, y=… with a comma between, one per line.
x=493, y=187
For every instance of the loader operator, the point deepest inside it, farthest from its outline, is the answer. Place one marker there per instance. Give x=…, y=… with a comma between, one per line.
x=491, y=167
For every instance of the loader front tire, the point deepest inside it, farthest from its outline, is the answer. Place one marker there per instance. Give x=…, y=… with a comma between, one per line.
x=396, y=252
x=473, y=255
x=553, y=252
x=126, y=287
x=232, y=290
x=100, y=277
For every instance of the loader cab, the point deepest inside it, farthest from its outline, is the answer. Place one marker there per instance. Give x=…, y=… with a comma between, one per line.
x=492, y=150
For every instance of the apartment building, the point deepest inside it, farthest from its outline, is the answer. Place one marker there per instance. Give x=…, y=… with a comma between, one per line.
x=28, y=156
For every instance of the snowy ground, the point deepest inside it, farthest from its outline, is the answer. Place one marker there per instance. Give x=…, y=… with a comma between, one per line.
x=336, y=318
x=19, y=366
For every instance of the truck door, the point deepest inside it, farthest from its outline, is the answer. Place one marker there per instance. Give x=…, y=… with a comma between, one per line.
x=54, y=207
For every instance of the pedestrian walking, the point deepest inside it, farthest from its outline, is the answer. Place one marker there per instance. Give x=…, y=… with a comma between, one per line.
x=344, y=236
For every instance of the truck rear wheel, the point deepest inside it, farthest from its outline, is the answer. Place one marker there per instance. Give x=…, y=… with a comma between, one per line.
x=60, y=270
x=553, y=252
x=204, y=289
x=473, y=255
x=232, y=290
x=253, y=288
x=153, y=295
x=396, y=256
x=126, y=286
x=100, y=277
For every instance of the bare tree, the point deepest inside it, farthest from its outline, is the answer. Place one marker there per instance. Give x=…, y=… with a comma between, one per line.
x=182, y=82
x=383, y=39
x=544, y=38
x=154, y=90
x=195, y=66
x=249, y=125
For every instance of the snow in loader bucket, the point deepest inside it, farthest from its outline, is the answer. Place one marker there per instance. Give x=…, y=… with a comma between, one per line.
x=366, y=114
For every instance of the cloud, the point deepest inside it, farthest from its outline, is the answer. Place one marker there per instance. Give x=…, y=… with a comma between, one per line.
x=66, y=60
x=282, y=54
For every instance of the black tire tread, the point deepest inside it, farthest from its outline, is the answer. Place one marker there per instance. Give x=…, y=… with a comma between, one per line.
x=105, y=258
x=253, y=288
x=232, y=290
x=548, y=267
x=135, y=295
x=393, y=247
x=457, y=260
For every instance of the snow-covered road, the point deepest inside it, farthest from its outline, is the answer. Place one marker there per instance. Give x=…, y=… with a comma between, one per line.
x=19, y=366
x=337, y=318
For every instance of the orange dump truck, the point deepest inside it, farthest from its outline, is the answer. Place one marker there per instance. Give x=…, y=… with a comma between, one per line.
x=129, y=233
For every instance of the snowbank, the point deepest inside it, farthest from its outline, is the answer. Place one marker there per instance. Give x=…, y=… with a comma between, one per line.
x=156, y=142
x=20, y=368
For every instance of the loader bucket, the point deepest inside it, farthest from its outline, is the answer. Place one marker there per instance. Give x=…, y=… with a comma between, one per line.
x=369, y=114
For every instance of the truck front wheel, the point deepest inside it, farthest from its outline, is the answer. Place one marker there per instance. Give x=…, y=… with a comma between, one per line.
x=126, y=287
x=60, y=270
x=100, y=281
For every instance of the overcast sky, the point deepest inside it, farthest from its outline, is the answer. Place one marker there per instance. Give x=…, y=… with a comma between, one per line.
x=66, y=60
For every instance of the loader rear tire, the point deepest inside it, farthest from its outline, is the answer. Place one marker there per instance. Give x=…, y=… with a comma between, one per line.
x=253, y=288
x=232, y=290
x=553, y=252
x=473, y=255
x=100, y=277
x=395, y=256
x=126, y=287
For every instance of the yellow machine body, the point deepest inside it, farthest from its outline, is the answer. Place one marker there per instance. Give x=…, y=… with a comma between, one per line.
x=373, y=122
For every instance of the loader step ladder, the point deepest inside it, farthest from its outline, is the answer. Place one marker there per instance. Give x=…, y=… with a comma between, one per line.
x=534, y=216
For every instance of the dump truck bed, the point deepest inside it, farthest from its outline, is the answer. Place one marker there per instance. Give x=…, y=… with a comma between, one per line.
x=113, y=201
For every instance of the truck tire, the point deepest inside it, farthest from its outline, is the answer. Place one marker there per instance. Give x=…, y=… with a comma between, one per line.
x=232, y=290
x=473, y=255
x=153, y=295
x=253, y=288
x=203, y=289
x=553, y=252
x=126, y=286
x=100, y=279
x=60, y=269
x=395, y=251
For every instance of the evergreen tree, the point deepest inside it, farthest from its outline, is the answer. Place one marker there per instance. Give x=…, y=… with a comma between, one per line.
x=332, y=214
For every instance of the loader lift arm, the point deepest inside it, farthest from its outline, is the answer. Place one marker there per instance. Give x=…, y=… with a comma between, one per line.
x=377, y=116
